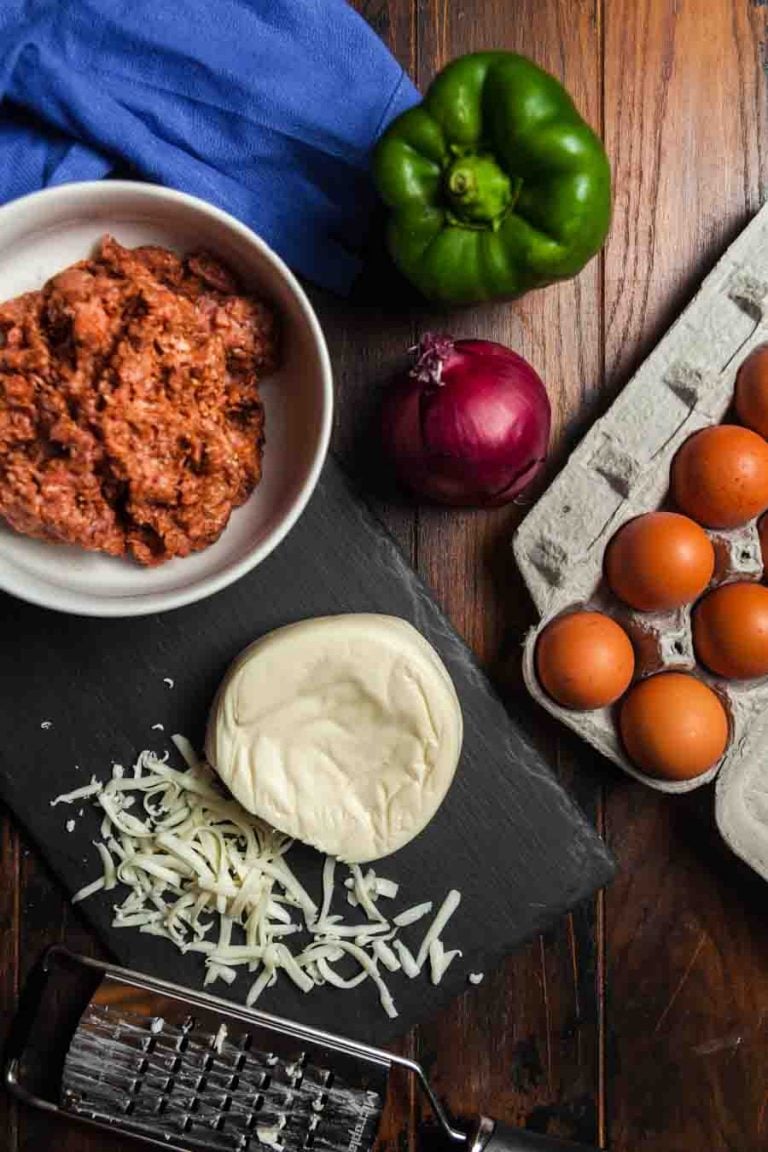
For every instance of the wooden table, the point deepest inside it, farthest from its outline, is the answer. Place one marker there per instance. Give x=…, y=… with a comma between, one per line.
x=640, y=1022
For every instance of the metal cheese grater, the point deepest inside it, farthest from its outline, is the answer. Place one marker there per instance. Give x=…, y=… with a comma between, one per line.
x=191, y=1073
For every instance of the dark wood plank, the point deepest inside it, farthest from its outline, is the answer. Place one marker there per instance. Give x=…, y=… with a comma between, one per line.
x=687, y=963
x=9, y=950
x=526, y=1044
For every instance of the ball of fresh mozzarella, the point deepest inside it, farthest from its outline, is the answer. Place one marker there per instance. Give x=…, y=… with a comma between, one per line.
x=342, y=731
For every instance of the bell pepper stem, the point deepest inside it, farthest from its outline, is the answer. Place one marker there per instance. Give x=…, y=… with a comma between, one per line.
x=478, y=191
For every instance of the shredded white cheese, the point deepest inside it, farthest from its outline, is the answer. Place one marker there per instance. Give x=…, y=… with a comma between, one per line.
x=384, y=953
x=407, y=960
x=88, y=890
x=476, y=977
x=440, y=960
x=203, y=874
x=446, y=910
x=269, y=1134
x=191, y=758
x=411, y=915
x=83, y=793
x=386, y=888
x=167, y=680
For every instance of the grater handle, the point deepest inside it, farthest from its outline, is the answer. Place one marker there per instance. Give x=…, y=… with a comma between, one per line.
x=503, y=1138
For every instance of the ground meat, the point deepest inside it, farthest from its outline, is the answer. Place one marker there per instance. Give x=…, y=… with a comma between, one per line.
x=130, y=417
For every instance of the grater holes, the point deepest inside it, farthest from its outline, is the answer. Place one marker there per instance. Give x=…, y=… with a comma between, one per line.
x=147, y=1048
x=202, y=1079
x=176, y=1066
x=180, y=1047
x=319, y=1103
x=318, y=1107
x=296, y=1070
x=251, y=1121
x=309, y=1139
x=141, y=1070
x=244, y=1045
x=221, y=1119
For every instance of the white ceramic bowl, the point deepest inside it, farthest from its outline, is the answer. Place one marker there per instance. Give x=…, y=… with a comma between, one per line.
x=43, y=233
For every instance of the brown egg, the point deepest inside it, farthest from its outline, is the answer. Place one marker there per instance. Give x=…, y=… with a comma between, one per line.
x=659, y=561
x=762, y=529
x=673, y=726
x=584, y=660
x=720, y=476
x=730, y=631
x=751, y=394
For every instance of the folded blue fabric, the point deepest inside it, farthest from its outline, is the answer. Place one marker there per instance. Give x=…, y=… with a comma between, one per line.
x=267, y=108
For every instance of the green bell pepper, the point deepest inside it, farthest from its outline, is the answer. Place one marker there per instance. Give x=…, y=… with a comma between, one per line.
x=495, y=183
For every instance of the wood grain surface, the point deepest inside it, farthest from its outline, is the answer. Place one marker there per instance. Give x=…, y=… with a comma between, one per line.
x=641, y=1022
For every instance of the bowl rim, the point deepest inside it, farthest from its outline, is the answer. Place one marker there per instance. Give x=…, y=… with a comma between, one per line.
x=94, y=605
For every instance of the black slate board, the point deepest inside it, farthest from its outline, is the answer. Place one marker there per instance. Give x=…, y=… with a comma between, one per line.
x=507, y=835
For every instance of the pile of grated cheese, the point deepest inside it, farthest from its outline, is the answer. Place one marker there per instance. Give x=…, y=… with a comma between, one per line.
x=212, y=879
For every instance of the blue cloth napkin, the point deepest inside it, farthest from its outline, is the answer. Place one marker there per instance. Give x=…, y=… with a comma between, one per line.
x=267, y=108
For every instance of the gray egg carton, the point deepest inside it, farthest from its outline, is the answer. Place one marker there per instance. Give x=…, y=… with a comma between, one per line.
x=620, y=470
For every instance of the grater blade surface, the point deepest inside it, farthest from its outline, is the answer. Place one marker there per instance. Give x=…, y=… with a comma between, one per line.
x=189, y=1077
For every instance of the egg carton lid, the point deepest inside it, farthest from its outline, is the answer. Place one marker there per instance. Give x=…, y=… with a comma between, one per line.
x=621, y=469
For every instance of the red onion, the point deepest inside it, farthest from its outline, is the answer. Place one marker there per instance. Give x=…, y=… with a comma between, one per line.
x=469, y=424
